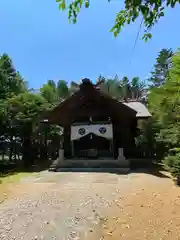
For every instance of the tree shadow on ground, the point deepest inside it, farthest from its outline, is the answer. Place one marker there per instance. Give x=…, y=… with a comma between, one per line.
x=33, y=169
x=156, y=171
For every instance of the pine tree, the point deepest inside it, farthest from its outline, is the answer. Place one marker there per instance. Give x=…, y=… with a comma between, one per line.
x=161, y=68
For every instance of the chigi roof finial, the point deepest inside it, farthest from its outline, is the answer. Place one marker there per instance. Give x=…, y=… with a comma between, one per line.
x=86, y=81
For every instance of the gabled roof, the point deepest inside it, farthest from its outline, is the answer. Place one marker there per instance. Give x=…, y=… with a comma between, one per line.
x=87, y=93
x=140, y=108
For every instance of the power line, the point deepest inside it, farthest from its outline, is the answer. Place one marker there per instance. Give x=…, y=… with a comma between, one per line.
x=137, y=36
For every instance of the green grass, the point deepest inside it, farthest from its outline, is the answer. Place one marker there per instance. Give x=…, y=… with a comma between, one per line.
x=14, y=177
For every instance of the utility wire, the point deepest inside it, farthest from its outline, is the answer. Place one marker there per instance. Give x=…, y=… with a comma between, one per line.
x=137, y=36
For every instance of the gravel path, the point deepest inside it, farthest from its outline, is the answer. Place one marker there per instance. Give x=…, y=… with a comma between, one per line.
x=91, y=206
x=60, y=206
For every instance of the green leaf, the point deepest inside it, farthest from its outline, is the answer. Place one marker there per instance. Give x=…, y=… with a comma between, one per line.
x=168, y=2
x=144, y=10
x=161, y=14
x=63, y=5
x=80, y=3
x=115, y=34
x=173, y=4
x=147, y=36
x=129, y=21
x=113, y=29
x=78, y=9
x=87, y=4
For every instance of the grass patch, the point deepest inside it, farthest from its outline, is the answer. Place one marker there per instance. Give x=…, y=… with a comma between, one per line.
x=14, y=177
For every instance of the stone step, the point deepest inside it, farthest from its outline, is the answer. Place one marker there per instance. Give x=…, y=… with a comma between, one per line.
x=95, y=169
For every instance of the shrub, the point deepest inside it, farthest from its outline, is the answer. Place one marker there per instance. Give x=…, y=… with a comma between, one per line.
x=174, y=151
x=172, y=164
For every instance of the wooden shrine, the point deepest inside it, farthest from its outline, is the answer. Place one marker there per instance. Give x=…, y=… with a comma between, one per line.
x=96, y=126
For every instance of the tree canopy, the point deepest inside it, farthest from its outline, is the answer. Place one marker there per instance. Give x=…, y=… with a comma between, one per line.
x=149, y=10
x=162, y=67
x=164, y=102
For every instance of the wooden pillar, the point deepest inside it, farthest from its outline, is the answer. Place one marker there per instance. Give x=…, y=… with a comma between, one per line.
x=72, y=148
x=67, y=141
x=112, y=147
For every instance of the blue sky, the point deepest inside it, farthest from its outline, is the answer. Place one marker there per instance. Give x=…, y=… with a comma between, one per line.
x=43, y=45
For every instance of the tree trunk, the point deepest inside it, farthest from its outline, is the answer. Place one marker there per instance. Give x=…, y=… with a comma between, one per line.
x=177, y=180
x=11, y=147
x=27, y=146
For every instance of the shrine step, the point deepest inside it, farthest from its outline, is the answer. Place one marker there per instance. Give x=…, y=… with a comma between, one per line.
x=108, y=167
x=116, y=170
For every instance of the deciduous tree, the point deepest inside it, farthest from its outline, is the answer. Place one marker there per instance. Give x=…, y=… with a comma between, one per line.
x=149, y=10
